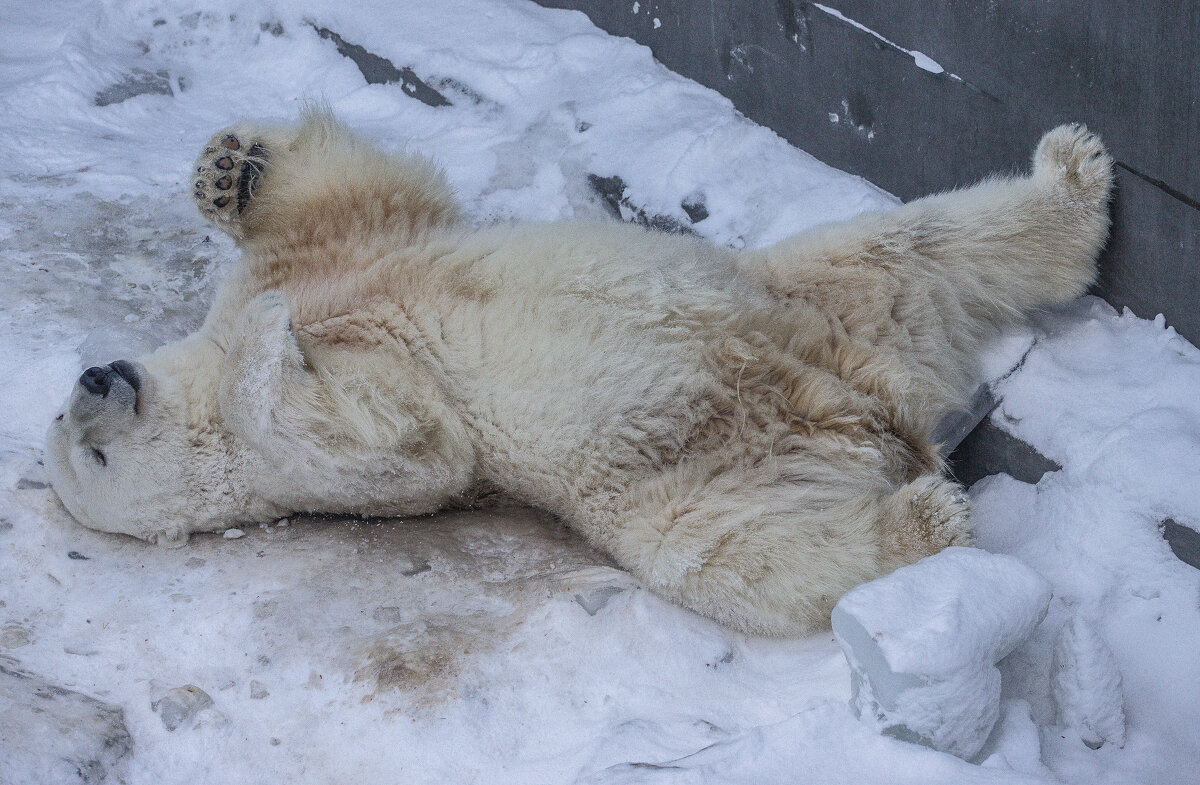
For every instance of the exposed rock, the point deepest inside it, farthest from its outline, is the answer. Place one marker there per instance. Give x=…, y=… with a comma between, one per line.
x=1184, y=541
x=380, y=70
x=138, y=82
x=990, y=450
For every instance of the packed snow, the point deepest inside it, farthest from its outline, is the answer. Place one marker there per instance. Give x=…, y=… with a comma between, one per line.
x=493, y=646
x=1085, y=684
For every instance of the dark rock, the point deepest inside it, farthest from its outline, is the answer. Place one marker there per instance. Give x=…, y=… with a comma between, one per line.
x=380, y=70
x=138, y=82
x=694, y=206
x=988, y=450
x=1184, y=542
x=611, y=191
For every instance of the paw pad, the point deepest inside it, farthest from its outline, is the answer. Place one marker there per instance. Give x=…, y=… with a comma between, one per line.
x=226, y=174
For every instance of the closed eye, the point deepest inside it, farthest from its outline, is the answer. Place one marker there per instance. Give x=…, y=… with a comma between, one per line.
x=99, y=456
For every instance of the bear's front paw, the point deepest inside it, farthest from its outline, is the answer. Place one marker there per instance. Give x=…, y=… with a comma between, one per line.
x=226, y=173
x=266, y=337
x=1074, y=156
x=262, y=366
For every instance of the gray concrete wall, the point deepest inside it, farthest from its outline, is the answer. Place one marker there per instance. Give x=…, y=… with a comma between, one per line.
x=1012, y=69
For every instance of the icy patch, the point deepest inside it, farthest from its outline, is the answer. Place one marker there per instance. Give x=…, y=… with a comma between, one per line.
x=52, y=734
x=923, y=643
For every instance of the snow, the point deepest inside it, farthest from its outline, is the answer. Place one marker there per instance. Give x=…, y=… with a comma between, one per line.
x=494, y=647
x=923, y=642
x=1085, y=684
x=1113, y=399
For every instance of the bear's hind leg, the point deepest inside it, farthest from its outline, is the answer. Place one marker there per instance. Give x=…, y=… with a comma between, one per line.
x=769, y=548
x=995, y=250
x=923, y=517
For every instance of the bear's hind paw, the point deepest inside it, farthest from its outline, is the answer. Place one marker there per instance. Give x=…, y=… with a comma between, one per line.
x=1075, y=156
x=927, y=515
x=226, y=174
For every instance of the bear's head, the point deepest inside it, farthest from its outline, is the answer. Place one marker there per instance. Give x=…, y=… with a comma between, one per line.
x=237, y=424
x=134, y=450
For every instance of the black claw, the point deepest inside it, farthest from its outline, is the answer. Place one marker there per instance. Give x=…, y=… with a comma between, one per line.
x=225, y=164
x=225, y=183
x=221, y=201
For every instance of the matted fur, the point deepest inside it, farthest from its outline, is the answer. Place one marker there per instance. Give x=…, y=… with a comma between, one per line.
x=745, y=432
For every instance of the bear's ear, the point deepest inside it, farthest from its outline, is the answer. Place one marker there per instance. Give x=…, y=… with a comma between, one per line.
x=264, y=366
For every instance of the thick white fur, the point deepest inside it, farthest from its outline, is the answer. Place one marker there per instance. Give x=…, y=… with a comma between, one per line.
x=747, y=433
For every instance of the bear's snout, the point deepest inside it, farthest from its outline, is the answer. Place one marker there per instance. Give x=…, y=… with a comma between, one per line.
x=104, y=391
x=98, y=380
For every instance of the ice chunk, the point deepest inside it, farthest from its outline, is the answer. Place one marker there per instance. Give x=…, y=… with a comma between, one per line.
x=1085, y=685
x=179, y=707
x=923, y=643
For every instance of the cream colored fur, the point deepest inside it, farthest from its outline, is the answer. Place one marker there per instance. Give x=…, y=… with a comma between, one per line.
x=747, y=433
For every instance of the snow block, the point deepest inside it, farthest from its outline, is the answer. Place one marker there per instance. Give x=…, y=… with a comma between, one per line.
x=923, y=643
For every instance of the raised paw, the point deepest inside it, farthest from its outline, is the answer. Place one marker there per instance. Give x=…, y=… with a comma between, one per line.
x=225, y=176
x=1076, y=157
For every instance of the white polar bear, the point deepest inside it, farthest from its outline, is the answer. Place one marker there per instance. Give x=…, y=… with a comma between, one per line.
x=745, y=432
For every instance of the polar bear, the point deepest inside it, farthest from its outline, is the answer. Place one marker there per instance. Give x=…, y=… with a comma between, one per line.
x=746, y=432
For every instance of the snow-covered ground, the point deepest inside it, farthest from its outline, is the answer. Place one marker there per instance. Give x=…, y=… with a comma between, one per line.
x=494, y=647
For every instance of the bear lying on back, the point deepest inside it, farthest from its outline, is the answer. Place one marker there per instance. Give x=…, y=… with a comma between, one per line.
x=745, y=432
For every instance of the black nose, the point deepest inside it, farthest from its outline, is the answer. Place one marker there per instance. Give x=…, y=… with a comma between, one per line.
x=96, y=380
